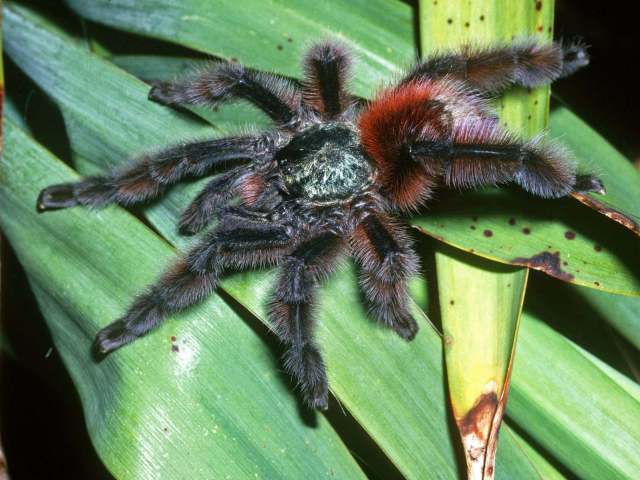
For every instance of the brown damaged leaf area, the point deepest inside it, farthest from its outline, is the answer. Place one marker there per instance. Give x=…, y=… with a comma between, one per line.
x=546, y=262
x=612, y=213
x=476, y=428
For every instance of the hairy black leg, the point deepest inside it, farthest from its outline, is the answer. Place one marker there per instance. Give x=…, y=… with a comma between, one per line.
x=290, y=312
x=326, y=68
x=193, y=279
x=202, y=209
x=386, y=259
x=149, y=177
x=276, y=96
x=492, y=69
x=479, y=154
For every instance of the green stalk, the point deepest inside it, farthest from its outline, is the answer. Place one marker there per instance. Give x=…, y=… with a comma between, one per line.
x=481, y=301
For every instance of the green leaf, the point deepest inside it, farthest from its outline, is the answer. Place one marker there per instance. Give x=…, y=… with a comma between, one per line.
x=582, y=416
x=199, y=406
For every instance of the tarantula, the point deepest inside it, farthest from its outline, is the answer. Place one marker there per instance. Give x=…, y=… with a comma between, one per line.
x=329, y=180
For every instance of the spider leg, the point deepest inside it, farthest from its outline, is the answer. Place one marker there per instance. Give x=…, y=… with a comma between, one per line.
x=149, y=177
x=326, y=68
x=192, y=279
x=213, y=196
x=479, y=153
x=495, y=68
x=386, y=259
x=292, y=318
x=277, y=96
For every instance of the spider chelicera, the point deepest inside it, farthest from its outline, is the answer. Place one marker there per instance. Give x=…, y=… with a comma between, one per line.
x=328, y=181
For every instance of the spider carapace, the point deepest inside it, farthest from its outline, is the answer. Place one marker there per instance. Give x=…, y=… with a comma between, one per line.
x=328, y=180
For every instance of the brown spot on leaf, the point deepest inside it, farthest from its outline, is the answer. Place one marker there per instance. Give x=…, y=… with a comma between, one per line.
x=612, y=213
x=173, y=338
x=538, y=6
x=478, y=420
x=512, y=221
x=597, y=248
x=569, y=235
x=526, y=230
x=597, y=284
x=546, y=262
x=488, y=233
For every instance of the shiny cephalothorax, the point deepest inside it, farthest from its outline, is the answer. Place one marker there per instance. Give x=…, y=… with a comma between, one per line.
x=325, y=163
x=328, y=179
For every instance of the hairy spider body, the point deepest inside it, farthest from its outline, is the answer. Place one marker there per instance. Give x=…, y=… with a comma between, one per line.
x=328, y=182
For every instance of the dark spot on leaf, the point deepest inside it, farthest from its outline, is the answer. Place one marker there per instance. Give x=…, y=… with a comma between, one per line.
x=538, y=6
x=449, y=21
x=565, y=263
x=175, y=348
x=512, y=221
x=471, y=250
x=475, y=219
x=546, y=262
x=508, y=285
x=569, y=235
x=466, y=24
x=479, y=419
x=289, y=39
x=597, y=284
x=527, y=231
x=597, y=248
x=173, y=338
x=549, y=29
x=441, y=225
x=540, y=28
x=482, y=18
x=451, y=302
x=488, y=233
x=535, y=102
x=472, y=227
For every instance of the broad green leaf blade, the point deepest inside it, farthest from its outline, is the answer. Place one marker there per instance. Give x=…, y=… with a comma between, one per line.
x=191, y=24
x=186, y=402
x=581, y=415
x=623, y=313
x=394, y=389
x=268, y=34
x=481, y=301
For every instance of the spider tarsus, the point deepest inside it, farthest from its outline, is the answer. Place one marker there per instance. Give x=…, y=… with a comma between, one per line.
x=160, y=93
x=108, y=339
x=589, y=184
x=574, y=57
x=56, y=197
x=407, y=330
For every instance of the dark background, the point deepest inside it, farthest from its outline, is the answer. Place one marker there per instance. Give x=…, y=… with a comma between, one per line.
x=43, y=432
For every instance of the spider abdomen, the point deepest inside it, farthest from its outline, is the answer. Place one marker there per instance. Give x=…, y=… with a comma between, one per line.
x=325, y=163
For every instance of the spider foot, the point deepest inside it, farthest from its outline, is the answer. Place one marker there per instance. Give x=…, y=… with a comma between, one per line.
x=109, y=339
x=306, y=365
x=406, y=329
x=589, y=183
x=162, y=93
x=575, y=57
x=56, y=197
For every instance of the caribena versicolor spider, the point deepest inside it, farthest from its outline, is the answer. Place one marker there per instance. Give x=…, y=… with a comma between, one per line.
x=328, y=180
